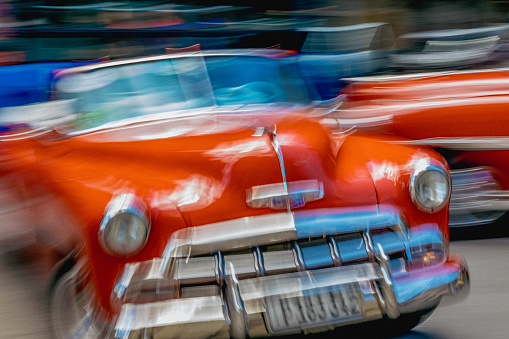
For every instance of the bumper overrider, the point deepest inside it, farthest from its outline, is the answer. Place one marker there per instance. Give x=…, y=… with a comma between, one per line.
x=287, y=272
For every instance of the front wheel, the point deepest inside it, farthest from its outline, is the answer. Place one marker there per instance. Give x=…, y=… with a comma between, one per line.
x=71, y=311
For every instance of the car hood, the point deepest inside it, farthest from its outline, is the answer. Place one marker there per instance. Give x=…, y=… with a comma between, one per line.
x=204, y=167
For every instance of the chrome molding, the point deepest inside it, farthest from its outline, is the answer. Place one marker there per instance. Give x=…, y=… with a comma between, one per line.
x=32, y=133
x=421, y=75
x=195, y=54
x=279, y=152
x=346, y=123
x=463, y=144
x=230, y=235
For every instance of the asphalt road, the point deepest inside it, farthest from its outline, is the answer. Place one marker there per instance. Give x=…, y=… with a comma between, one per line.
x=484, y=314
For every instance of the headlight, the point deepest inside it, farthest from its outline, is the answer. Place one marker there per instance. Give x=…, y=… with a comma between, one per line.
x=430, y=187
x=125, y=226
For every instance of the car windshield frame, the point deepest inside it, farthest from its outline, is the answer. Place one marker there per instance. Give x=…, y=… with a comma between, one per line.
x=178, y=85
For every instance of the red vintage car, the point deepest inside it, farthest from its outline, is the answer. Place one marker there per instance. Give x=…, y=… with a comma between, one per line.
x=194, y=195
x=462, y=114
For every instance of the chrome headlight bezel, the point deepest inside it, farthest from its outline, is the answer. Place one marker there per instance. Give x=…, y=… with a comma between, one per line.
x=127, y=242
x=423, y=169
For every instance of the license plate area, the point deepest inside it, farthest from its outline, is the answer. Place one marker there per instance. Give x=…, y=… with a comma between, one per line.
x=314, y=308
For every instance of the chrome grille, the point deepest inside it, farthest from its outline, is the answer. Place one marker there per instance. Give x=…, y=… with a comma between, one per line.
x=286, y=257
x=267, y=245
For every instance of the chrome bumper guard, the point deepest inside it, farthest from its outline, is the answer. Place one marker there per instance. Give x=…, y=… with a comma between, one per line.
x=201, y=288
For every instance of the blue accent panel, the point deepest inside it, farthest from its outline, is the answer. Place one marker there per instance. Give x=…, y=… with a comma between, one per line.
x=408, y=289
x=319, y=222
x=352, y=250
x=317, y=256
x=391, y=242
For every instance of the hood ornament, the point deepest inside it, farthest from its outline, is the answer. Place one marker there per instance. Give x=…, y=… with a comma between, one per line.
x=279, y=196
x=283, y=195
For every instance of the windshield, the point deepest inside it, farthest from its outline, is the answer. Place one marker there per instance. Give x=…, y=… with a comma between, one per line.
x=172, y=85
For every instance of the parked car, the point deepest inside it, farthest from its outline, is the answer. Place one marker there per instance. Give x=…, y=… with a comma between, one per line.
x=449, y=48
x=462, y=114
x=27, y=83
x=196, y=194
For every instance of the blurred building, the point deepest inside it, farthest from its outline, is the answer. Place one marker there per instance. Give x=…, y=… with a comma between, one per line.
x=42, y=30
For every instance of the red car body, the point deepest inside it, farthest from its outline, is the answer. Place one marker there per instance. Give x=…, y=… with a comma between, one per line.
x=242, y=208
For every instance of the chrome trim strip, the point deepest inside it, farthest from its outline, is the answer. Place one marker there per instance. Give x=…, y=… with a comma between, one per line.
x=332, y=122
x=201, y=53
x=422, y=75
x=464, y=144
x=279, y=152
x=489, y=40
x=25, y=134
x=230, y=235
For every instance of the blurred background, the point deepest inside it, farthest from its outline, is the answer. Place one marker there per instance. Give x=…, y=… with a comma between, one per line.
x=335, y=38
x=49, y=30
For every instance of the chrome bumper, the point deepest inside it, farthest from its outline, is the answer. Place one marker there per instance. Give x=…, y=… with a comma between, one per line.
x=225, y=295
